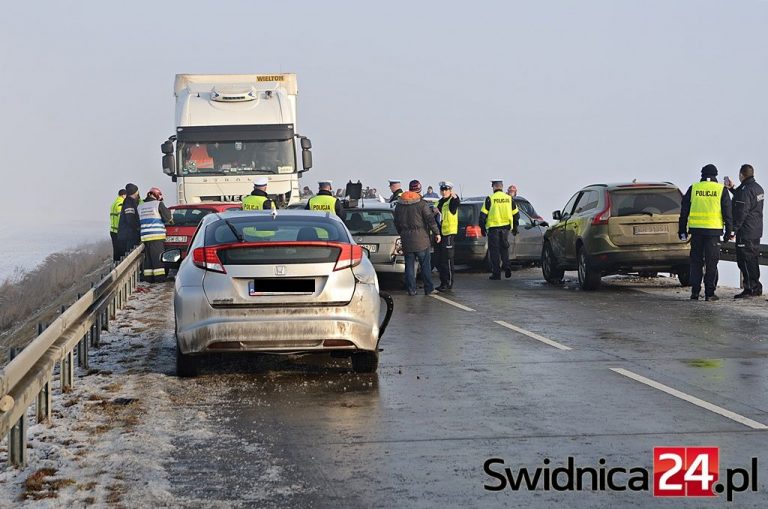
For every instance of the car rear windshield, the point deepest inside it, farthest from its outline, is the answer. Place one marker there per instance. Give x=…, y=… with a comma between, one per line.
x=285, y=255
x=630, y=202
x=371, y=222
x=468, y=214
x=280, y=229
x=189, y=217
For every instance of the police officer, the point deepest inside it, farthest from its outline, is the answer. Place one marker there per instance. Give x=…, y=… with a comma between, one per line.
x=748, y=227
x=396, y=187
x=153, y=216
x=448, y=206
x=705, y=210
x=128, y=228
x=259, y=199
x=498, y=215
x=324, y=201
x=114, y=220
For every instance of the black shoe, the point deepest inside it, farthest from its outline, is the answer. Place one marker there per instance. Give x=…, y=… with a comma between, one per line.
x=694, y=296
x=411, y=293
x=495, y=278
x=507, y=273
x=743, y=295
x=712, y=298
x=441, y=288
x=433, y=292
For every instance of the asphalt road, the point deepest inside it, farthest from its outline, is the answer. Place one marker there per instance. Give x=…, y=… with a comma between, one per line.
x=456, y=388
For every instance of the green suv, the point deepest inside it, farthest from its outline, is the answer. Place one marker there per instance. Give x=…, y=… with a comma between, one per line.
x=616, y=229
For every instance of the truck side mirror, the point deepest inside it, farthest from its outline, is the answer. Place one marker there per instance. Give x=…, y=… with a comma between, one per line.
x=306, y=158
x=169, y=164
x=306, y=144
x=167, y=147
x=556, y=215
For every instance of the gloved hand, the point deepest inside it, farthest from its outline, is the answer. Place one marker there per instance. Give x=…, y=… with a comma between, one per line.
x=728, y=236
x=514, y=231
x=683, y=237
x=483, y=232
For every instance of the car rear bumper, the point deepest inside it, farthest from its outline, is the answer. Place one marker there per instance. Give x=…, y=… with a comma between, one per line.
x=201, y=328
x=397, y=266
x=470, y=252
x=640, y=260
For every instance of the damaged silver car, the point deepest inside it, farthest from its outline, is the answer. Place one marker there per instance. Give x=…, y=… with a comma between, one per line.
x=292, y=282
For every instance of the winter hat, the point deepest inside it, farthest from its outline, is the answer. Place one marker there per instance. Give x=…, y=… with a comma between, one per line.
x=709, y=170
x=415, y=186
x=131, y=189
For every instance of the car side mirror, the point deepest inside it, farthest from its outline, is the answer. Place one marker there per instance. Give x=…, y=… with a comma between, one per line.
x=557, y=215
x=172, y=257
x=543, y=224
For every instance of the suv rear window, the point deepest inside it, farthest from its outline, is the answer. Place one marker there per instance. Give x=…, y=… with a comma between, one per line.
x=467, y=214
x=632, y=202
x=371, y=222
x=266, y=229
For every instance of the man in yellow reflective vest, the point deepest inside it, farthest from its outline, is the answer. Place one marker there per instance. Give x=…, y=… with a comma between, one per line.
x=258, y=199
x=448, y=205
x=704, y=212
x=324, y=201
x=498, y=215
x=114, y=220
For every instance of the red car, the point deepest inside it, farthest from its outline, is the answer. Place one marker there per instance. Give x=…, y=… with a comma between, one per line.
x=185, y=221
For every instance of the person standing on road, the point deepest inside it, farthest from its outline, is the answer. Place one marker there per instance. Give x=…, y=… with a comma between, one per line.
x=258, y=199
x=114, y=220
x=416, y=224
x=324, y=201
x=449, y=227
x=705, y=210
x=153, y=216
x=396, y=188
x=498, y=215
x=748, y=227
x=128, y=228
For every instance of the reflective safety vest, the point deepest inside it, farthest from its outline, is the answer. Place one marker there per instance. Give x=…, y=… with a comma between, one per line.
x=705, y=206
x=199, y=155
x=255, y=202
x=114, y=213
x=501, y=212
x=150, y=221
x=450, y=224
x=323, y=203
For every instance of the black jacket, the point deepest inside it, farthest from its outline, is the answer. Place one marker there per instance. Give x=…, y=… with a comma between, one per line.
x=748, y=210
x=128, y=228
x=395, y=196
x=725, y=208
x=338, y=207
x=414, y=222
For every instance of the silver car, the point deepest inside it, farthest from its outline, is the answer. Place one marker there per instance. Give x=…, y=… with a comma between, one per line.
x=373, y=227
x=290, y=283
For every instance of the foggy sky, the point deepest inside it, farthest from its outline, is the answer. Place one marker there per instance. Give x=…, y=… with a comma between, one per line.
x=549, y=95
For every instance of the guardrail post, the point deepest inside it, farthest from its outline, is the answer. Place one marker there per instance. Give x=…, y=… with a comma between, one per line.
x=17, y=436
x=96, y=337
x=104, y=319
x=44, y=402
x=67, y=371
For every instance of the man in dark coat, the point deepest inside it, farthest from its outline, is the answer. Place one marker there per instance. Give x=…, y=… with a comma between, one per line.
x=128, y=228
x=415, y=223
x=748, y=227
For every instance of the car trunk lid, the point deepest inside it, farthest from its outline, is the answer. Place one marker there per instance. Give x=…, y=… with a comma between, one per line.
x=644, y=216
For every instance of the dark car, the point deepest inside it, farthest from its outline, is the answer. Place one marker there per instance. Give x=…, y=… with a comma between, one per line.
x=616, y=229
x=471, y=246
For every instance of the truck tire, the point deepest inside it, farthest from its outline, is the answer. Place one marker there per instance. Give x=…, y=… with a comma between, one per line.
x=365, y=362
x=187, y=366
x=589, y=277
x=684, y=275
x=552, y=273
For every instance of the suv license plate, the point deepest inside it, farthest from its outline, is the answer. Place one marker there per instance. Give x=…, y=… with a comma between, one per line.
x=372, y=248
x=649, y=229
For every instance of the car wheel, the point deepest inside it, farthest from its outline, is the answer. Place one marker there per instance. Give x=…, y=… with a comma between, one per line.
x=365, y=362
x=186, y=365
x=552, y=273
x=684, y=275
x=589, y=278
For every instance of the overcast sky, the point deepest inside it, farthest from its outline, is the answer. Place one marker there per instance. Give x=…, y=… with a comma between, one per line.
x=549, y=95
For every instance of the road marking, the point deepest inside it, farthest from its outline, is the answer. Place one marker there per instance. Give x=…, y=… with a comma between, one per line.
x=452, y=303
x=691, y=399
x=533, y=335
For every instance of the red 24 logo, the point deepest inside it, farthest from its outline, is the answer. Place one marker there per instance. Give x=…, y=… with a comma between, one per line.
x=685, y=471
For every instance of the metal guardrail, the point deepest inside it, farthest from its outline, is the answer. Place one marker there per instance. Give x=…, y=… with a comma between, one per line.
x=728, y=252
x=28, y=378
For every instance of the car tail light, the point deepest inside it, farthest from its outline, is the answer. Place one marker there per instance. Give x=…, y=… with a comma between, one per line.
x=207, y=258
x=350, y=256
x=603, y=216
x=398, y=247
x=473, y=232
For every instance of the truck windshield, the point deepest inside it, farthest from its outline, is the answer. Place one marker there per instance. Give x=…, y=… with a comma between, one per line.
x=236, y=157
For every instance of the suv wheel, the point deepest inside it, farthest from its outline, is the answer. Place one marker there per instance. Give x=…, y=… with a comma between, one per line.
x=186, y=365
x=684, y=275
x=552, y=273
x=589, y=278
x=365, y=362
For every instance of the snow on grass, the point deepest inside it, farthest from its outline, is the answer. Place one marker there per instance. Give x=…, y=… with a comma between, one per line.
x=113, y=436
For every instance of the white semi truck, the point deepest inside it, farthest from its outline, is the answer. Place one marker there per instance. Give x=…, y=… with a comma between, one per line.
x=230, y=128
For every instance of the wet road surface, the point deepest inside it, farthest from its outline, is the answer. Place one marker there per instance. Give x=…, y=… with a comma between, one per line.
x=455, y=388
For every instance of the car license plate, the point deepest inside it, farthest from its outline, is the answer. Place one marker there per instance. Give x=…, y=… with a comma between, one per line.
x=280, y=286
x=649, y=229
x=372, y=248
x=178, y=239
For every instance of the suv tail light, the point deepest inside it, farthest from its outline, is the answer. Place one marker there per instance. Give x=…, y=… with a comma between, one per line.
x=472, y=231
x=398, y=247
x=603, y=216
x=350, y=256
x=207, y=258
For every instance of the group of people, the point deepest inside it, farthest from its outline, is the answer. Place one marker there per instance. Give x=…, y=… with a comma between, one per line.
x=134, y=221
x=708, y=213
